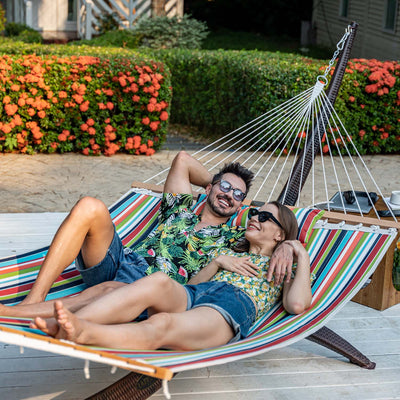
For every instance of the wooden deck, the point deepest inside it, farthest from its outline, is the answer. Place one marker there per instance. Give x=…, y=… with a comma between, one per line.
x=300, y=371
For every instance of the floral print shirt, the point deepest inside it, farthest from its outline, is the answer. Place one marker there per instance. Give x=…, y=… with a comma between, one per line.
x=175, y=247
x=263, y=293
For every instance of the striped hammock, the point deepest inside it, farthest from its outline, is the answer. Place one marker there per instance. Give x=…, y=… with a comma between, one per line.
x=342, y=258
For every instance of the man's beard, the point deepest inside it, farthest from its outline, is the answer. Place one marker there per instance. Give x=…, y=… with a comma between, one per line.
x=215, y=208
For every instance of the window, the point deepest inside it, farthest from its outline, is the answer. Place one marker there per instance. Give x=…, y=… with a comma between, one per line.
x=390, y=15
x=344, y=8
x=71, y=10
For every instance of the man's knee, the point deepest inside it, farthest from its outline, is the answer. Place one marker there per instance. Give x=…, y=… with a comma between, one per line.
x=89, y=208
x=161, y=281
x=181, y=158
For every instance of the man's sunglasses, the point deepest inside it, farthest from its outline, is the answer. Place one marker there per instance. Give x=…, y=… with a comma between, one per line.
x=263, y=216
x=226, y=187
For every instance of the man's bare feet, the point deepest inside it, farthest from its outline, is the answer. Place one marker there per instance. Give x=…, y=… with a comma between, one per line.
x=4, y=310
x=48, y=325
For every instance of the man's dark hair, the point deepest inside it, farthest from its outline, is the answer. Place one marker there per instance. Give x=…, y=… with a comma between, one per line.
x=238, y=170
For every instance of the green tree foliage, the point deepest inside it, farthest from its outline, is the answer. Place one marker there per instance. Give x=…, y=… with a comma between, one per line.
x=271, y=17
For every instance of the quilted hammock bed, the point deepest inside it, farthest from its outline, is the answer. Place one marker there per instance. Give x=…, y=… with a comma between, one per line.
x=342, y=259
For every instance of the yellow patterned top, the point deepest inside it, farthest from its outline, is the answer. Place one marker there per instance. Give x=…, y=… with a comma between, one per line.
x=263, y=293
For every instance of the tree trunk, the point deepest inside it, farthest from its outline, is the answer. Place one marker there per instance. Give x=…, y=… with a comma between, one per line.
x=158, y=8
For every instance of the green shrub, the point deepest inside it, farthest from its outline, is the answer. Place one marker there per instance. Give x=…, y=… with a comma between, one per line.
x=125, y=38
x=175, y=32
x=219, y=91
x=15, y=29
x=28, y=36
x=10, y=46
x=89, y=104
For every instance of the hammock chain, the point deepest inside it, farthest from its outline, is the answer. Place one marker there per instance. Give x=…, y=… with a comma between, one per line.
x=339, y=48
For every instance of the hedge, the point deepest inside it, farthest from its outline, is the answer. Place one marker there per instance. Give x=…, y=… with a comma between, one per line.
x=215, y=91
x=219, y=91
x=85, y=103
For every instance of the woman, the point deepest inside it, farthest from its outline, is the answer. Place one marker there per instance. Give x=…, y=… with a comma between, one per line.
x=217, y=306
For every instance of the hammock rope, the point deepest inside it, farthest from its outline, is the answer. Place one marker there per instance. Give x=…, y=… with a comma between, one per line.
x=270, y=144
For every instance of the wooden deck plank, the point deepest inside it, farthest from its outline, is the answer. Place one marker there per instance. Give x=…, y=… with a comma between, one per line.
x=21, y=232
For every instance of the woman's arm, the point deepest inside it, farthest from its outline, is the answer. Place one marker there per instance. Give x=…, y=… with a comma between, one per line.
x=206, y=273
x=240, y=265
x=297, y=292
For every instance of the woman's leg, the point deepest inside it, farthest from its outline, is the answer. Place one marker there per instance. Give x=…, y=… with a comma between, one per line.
x=195, y=329
x=156, y=293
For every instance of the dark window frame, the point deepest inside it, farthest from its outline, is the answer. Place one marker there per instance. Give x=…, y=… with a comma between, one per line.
x=390, y=27
x=72, y=11
x=344, y=8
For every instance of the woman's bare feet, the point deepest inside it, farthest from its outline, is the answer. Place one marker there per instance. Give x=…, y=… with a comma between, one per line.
x=64, y=325
x=70, y=326
x=4, y=310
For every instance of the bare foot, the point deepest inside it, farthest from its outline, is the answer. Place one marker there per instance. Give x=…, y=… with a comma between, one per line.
x=4, y=310
x=70, y=326
x=48, y=325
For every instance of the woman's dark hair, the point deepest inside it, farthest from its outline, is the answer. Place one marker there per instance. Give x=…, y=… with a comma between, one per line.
x=285, y=217
x=236, y=169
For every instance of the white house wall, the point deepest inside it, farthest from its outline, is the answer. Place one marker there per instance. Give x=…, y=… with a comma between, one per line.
x=371, y=40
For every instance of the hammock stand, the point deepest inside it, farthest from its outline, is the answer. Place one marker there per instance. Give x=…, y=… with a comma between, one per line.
x=138, y=386
x=324, y=336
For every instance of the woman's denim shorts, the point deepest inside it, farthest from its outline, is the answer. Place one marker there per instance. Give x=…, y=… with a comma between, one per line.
x=119, y=264
x=232, y=303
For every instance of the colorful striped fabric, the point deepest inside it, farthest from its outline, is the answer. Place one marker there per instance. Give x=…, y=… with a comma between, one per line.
x=342, y=258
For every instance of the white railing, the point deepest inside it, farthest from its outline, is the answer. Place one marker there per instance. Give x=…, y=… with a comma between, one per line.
x=20, y=11
x=28, y=13
x=125, y=12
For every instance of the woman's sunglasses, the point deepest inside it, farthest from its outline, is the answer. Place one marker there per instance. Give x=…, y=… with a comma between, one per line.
x=263, y=216
x=226, y=187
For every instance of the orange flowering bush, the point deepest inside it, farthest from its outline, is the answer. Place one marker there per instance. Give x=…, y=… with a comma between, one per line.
x=84, y=104
x=369, y=105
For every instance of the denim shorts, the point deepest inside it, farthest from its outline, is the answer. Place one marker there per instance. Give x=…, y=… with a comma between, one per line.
x=119, y=264
x=233, y=304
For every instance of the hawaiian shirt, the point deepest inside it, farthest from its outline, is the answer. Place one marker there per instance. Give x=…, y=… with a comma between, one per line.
x=175, y=247
x=263, y=293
